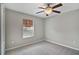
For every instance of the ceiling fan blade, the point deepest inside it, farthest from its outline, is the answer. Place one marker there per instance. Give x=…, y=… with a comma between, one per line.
x=39, y=12
x=58, y=5
x=56, y=11
x=41, y=7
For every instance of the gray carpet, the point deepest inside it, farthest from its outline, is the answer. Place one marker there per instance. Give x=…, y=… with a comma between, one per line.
x=43, y=48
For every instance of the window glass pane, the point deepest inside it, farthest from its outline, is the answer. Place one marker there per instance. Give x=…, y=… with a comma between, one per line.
x=28, y=28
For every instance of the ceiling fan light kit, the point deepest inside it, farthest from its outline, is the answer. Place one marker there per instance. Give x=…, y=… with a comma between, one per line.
x=49, y=9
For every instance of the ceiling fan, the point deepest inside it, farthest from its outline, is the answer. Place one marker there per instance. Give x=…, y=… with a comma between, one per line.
x=49, y=9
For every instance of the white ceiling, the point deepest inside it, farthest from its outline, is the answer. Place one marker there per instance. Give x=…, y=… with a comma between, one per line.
x=32, y=8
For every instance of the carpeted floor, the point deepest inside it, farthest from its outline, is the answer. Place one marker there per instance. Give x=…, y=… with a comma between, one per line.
x=43, y=48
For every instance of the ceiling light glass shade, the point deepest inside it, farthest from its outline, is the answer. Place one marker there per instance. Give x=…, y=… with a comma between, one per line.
x=48, y=10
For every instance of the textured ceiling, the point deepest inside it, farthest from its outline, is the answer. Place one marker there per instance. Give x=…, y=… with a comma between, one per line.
x=32, y=8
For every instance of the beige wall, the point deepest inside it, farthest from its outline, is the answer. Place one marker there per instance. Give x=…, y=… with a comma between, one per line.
x=64, y=29
x=13, y=29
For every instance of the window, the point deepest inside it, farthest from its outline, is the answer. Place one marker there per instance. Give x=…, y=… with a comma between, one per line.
x=28, y=28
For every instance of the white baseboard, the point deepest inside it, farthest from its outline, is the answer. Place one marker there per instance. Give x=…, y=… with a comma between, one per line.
x=63, y=45
x=40, y=41
x=23, y=45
